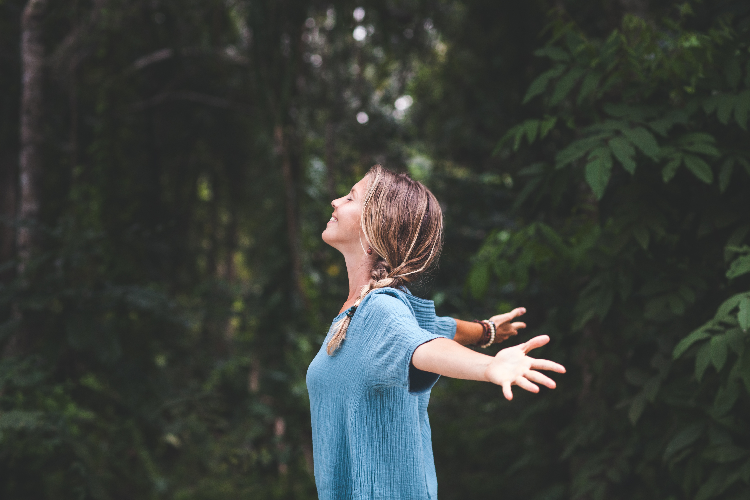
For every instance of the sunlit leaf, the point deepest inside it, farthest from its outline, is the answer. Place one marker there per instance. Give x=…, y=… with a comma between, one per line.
x=740, y=266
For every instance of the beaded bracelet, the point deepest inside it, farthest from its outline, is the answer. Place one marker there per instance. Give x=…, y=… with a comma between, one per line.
x=491, y=326
x=485, y=332
x=488, y=333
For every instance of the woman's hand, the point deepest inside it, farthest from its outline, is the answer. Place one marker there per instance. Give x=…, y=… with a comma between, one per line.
x=505, y=327
x=512, y=366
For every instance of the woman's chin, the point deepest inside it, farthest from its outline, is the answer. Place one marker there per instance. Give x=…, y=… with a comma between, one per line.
x=327, y=236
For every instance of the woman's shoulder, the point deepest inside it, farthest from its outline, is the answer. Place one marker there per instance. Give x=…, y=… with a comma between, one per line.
x=386, y=302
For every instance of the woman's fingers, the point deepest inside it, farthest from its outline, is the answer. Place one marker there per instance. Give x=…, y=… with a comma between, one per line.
x=523, y=383
x=534, y=343
x=518, y=325
x=506, y=391
x=504, y=318
x=540, y=378
x=545, y=364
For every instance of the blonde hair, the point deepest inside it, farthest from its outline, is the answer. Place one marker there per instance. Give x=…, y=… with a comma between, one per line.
x=403, y=224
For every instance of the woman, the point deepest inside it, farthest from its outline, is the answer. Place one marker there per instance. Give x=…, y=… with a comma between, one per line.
x=369, y=383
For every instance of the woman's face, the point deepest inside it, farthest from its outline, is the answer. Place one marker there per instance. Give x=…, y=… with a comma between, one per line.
x=343, y=231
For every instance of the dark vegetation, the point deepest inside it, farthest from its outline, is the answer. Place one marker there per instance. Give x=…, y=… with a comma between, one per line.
x=163, y=285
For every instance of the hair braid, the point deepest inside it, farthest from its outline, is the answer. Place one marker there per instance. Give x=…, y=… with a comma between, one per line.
x=403, y=224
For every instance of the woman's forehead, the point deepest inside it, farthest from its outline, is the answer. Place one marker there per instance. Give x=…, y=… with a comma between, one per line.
x=361, y=186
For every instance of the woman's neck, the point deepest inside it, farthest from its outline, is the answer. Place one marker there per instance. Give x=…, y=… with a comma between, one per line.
x=358, y=268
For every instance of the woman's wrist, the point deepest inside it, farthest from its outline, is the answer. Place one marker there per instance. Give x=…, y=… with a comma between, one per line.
x=489, y=329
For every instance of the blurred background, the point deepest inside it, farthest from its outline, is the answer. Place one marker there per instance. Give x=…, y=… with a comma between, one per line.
x=166, y=169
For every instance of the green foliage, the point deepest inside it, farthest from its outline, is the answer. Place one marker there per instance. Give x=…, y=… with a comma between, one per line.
x=620, y=250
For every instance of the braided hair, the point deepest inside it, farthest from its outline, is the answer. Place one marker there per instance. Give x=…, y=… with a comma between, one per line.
x=403, y=224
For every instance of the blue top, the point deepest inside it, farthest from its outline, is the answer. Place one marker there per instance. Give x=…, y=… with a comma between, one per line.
x=371, y=434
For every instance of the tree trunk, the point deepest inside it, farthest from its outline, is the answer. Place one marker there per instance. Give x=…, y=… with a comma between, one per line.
x=30, y=158
x=8, y=184
x=292, y=225
x=32, y=60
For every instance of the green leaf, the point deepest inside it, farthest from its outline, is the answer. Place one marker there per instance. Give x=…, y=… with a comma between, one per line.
x=711, y=488
x=726, y=307
x=744, y=369
x=540, y=83
x=740, y=266
x=741, y=108
x=554, y=53
x=703, y=148
x=725, y=174
x=736, y=340
x=577, y=149
x=19, y=419
x=546, y=126
x=699, y=168
x=684, y=438
x=724, y=105
x=588, y=85
x=726, y=396
x=670, y=169
x=641, y=234
x=733, y=72
x=643, y=140
x=565, y=85
x=702, y=360
x=725, y=453
x=710, y=104
x=479, y=279
x=718, y=347
x=637, y=407
x=532, y=128
x=743, y=315
x=624, y=152
x=599, y=170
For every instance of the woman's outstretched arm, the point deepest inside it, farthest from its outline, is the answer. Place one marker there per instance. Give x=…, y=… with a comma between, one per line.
x=469, y=332
x=510, y=366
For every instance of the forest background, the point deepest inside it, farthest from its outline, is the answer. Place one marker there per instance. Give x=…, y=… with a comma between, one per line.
x=166, y=169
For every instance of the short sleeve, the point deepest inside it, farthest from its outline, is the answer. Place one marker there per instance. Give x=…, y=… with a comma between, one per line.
x=394, y=335
x=445, y=326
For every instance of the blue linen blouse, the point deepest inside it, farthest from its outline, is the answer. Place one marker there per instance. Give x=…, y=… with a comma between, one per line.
x=368, y=403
